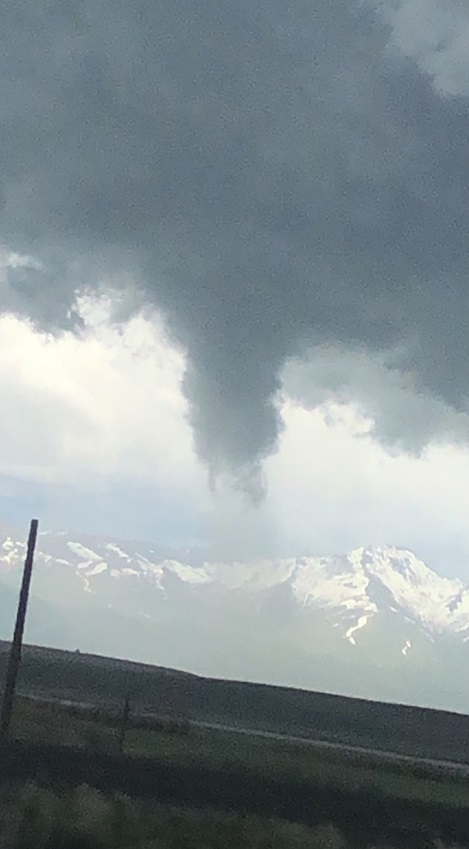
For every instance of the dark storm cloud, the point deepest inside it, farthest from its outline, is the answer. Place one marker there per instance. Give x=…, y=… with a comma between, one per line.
x=31, y=291
x=397, y=413
x=273, y=176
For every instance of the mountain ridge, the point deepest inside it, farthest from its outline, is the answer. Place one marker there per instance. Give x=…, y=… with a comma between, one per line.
x=374, y=623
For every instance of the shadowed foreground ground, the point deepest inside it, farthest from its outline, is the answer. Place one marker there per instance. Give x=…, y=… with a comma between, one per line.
x=197, y=787
x=32, y=817
x=363, y=818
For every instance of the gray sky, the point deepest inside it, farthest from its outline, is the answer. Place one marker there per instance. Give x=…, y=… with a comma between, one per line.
x=97, y=439
x=285, y=184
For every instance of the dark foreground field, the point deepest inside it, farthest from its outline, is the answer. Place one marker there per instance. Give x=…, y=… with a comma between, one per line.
x=34, y=817
x=207, y=785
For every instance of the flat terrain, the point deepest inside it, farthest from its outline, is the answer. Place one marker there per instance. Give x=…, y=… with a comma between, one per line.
x=168, y=752
x=288, y=761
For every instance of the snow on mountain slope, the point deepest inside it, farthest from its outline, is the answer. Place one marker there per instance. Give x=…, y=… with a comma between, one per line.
x=416, y=589
x=354, y=588
x=376, y=623
x=332, y=581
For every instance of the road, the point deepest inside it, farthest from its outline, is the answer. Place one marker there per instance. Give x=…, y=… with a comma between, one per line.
x=436, y=768
x=433, y=765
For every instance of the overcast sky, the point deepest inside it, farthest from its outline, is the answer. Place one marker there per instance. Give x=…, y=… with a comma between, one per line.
x=97, y=439
x=234, y=285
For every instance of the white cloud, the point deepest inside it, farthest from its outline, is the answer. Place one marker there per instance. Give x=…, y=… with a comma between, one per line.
x=106, y=411
x=335, y=488
x=106, y=405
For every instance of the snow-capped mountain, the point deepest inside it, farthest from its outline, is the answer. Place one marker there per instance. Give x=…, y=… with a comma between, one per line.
x=359, y=585
x=376, y=622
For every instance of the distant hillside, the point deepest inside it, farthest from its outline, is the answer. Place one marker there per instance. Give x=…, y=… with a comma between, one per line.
x=91, y=679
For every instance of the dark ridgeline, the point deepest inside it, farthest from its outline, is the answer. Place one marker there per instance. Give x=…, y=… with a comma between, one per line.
x=103, y=682
x=14, y=659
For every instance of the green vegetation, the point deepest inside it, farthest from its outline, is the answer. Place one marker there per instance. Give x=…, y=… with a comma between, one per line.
x=365, y=799
x=361, y=794
x=32, y=817
x=97, y=728
x=288, y=761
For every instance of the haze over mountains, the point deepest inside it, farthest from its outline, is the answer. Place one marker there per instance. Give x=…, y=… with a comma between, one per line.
x=376, y=622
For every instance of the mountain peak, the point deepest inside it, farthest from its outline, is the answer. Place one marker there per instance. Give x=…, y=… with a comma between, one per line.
x=371, y=600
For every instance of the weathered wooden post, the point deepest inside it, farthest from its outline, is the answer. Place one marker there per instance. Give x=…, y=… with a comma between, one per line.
x=14, y=658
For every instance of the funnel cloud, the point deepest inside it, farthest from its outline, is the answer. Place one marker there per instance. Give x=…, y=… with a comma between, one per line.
x=274, y=178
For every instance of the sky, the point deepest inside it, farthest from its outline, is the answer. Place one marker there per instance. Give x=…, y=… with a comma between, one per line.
x=233, y=290
x=98, y=439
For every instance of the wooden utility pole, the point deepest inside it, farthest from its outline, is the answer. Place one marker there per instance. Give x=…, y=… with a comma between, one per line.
x=15, y=649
